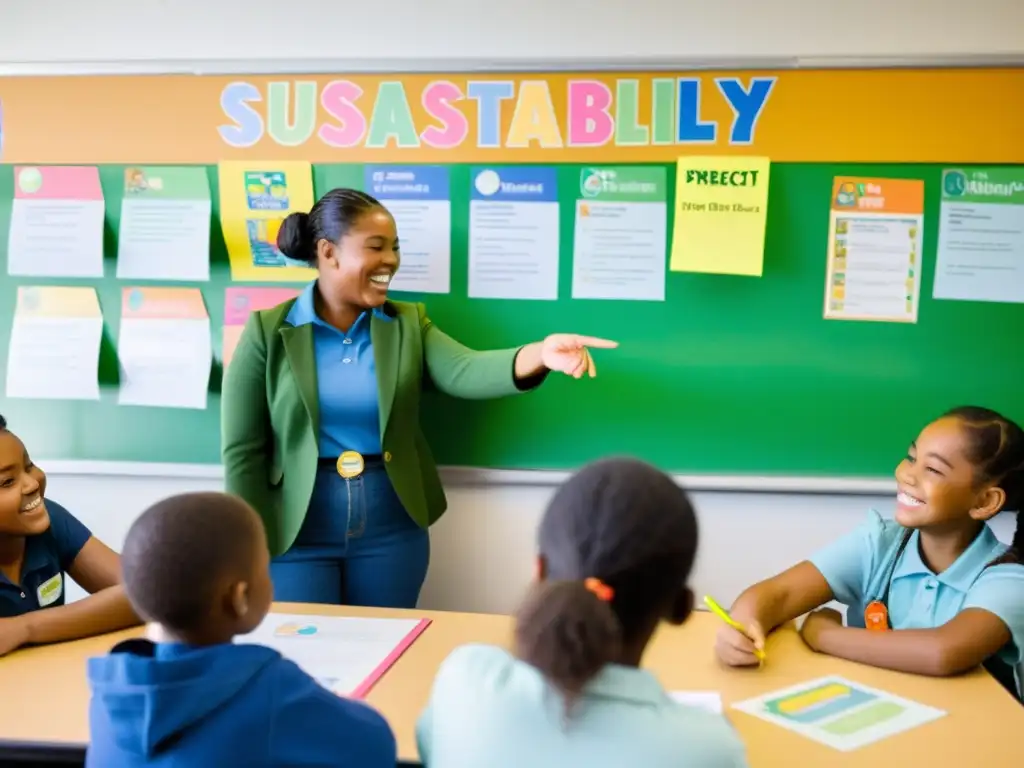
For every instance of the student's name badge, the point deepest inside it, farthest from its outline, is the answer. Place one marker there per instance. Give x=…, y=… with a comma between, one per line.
x=50, y=591
x=876, y=617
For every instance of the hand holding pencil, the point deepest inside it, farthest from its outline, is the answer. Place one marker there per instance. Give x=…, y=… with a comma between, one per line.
x=737, y=645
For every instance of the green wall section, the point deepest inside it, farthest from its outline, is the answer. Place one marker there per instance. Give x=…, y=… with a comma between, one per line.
x=728, y=375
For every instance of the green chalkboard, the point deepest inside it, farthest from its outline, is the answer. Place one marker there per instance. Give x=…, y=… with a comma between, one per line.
x=728, y=375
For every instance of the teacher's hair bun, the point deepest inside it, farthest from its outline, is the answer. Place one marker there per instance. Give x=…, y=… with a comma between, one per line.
x=293, y=239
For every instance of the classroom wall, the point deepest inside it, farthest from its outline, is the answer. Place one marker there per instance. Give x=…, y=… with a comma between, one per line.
x=482, y=550
x=371, y=33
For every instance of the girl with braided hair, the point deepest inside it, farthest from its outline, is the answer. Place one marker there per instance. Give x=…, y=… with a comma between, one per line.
x=932, y=592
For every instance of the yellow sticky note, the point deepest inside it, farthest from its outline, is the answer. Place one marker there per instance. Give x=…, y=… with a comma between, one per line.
x=721, y=208
x=255, y=197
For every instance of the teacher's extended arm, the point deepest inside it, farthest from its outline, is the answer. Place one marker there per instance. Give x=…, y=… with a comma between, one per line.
x=245, y=418
x=462, y=372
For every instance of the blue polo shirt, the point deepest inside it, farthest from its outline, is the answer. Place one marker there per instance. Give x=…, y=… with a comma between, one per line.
x=346, y=379
x=488, y=708
x=857, y=567
x=47, y=556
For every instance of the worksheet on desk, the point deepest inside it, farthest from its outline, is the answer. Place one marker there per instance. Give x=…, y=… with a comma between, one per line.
x=710, y=701
x=839, y=713
x=345, y=654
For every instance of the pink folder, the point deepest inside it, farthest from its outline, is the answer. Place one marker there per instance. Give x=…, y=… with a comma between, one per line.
x=364, y=687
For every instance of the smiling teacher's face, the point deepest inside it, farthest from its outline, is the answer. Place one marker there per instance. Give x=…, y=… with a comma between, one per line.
x=358, y=269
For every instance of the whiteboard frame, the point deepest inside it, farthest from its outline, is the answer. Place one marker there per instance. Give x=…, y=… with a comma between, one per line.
x=468, y=477
x=228, y=67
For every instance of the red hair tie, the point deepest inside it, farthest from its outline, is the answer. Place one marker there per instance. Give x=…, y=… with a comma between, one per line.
x=602, y=591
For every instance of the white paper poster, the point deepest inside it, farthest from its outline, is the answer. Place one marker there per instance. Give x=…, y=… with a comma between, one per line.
x=418, y=197
x=55, y=344
x=513, y=233
x=981, y=235
x=874, y=250
x=164, y=348
x=620, y=243
x=56, y=222
x=165, y=225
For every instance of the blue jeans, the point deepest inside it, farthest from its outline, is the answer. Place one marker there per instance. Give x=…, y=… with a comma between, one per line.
x=357, y=546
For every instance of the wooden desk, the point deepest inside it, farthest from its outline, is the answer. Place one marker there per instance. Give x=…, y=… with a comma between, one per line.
x=44, y=694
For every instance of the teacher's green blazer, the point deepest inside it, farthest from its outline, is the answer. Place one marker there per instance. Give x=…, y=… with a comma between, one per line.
x=270, y=419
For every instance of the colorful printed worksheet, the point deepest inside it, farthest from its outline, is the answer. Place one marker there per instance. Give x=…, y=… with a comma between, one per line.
x=721, y=210
x=239, y=303
x=839, y=713
x=164, y=348
x=254, y=199
x=346, y=655
x=874, y=249
x=418, y=197
x=54, y=351
x=56, y=222
x=981, y=235
x=165, y=224
x=620, y=241
x=513, y=233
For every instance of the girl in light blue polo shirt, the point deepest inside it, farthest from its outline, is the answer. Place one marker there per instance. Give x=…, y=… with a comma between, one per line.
x=936, y=574
x=616, y=547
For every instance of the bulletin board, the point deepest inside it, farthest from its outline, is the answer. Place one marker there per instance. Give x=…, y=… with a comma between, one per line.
x=727, y=375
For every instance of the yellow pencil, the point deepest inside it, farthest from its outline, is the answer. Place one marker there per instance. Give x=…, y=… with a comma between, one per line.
x=721, y=613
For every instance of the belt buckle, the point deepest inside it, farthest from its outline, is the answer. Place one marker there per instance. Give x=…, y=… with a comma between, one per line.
x=350, y=464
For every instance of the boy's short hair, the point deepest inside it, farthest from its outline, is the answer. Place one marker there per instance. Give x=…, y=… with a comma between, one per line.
x=179, y=549
x=3, y=423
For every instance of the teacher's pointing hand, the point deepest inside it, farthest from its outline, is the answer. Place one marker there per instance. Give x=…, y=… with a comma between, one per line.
x=566, y=353
x=570, y=354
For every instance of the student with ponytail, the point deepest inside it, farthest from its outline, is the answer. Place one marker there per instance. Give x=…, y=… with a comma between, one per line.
x=616, y=547
x=937, y=574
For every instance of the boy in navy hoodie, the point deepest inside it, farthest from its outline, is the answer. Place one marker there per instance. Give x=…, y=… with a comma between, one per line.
x=196, y=567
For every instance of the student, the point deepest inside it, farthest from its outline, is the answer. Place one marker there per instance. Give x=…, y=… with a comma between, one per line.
x=937, y=574
x=41, y=543
x=616, y=547
x=197, y=567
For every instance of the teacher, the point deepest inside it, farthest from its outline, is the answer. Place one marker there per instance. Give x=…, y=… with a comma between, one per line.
x=321, y=411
